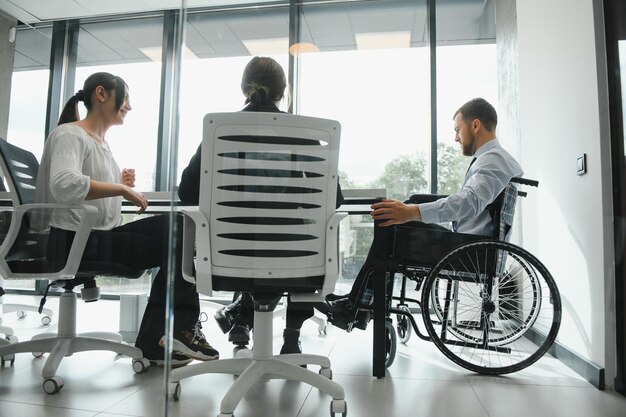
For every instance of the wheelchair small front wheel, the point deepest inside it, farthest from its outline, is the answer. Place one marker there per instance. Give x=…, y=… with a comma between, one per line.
x=403, y=324
x=391, y=343
x=491, y=307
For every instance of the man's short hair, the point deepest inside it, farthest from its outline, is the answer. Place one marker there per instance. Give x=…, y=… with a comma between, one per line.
x=480, y=109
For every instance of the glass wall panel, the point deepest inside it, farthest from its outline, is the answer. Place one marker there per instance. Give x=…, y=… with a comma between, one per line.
x=29, y=88
x=29, y=92
x=466, y=68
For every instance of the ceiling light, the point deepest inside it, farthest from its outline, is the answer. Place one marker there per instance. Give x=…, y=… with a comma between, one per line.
x=383, y=40
x=301, y=48
x=270, y=46
x=154, y=53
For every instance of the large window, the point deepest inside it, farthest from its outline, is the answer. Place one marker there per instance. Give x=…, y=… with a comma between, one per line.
x=132, y=50
x=369, y=70
x=219, y=45
x=466, y=68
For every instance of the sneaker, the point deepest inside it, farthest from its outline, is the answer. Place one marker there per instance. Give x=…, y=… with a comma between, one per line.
x=177, y=361
x=193, y=344
x=239, y=335
x=227, y=316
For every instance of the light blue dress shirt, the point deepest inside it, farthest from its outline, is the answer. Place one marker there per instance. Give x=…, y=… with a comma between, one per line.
x=484, y=181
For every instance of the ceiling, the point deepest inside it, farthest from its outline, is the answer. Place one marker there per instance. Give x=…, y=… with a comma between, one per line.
x=36, y=11
x=233, y=33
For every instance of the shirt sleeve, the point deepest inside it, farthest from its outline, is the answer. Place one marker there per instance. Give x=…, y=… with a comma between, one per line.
x=488, y=177
x=67, y=182
x=189, y=187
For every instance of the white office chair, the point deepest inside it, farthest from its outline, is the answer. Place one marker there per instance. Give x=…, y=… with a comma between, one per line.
x=266, y=223
x=22, y=256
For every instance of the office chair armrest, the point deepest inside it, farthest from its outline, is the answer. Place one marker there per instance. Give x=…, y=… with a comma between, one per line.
x=332, y=263
x=196, y=224
x=85, y=225
x=424, y=198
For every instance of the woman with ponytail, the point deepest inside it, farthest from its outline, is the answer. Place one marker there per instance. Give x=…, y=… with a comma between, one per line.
x=263, y=85
x=77, y=167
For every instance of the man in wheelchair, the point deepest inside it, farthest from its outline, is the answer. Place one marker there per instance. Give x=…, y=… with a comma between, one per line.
x=467, y=211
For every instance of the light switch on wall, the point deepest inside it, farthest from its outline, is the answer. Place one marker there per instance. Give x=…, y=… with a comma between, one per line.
x=582, y=164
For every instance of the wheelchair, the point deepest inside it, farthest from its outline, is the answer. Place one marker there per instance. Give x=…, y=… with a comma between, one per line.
x=488, y=305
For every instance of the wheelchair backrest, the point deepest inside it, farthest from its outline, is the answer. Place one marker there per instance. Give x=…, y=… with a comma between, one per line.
x=502, y=212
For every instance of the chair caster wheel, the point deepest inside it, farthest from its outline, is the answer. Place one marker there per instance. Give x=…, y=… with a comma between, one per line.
x=338, y=406
x=8, y=358
x=140, y=365
x=20, y=314
x=46, y=320
x=52, y=385
x=37, y=354
x=326, y=373
x=174, y=389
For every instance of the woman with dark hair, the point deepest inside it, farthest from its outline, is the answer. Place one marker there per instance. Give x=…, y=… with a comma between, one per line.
x=263, y=85
x=77, y=167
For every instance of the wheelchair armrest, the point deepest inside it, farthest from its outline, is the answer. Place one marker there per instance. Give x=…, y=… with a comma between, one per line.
x=85, y=225
x=424, y=198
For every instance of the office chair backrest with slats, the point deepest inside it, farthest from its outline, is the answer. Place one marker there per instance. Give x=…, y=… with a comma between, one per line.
x=268, y=188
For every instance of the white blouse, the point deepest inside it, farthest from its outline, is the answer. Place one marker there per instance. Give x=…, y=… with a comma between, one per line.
x=71, y=157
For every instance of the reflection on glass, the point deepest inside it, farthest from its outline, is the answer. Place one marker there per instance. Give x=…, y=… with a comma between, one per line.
x=29, y=89
x=29, y=92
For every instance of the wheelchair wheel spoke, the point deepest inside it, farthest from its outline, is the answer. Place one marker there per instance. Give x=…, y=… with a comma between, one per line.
x=491, y=307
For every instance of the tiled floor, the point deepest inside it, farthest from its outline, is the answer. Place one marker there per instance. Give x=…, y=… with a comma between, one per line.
x=421, y=382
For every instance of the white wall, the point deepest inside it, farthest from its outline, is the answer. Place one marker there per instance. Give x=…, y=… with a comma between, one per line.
x=567, y=221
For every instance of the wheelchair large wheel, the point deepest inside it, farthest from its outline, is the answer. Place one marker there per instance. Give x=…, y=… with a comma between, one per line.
x=491, y=307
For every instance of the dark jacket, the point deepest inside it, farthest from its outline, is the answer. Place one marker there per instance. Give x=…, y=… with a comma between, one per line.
x=189, y=187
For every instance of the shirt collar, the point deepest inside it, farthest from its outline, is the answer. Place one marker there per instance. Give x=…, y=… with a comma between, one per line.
x=485, y=147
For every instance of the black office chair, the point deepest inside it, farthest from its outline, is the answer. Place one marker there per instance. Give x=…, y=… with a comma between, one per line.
x=26, y=196
x=23, y=256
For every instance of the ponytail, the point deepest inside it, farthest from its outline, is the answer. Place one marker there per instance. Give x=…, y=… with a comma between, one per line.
x=110, y=82
x=257, y=94
x=70, y=111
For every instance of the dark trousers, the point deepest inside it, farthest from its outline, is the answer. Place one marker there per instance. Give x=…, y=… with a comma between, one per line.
x=362, y=292
x=297, y=313
x=142, y=244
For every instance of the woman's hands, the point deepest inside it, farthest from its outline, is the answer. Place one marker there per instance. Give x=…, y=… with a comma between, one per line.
x=128, y=177
x=395, y=212
x=136, y=198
